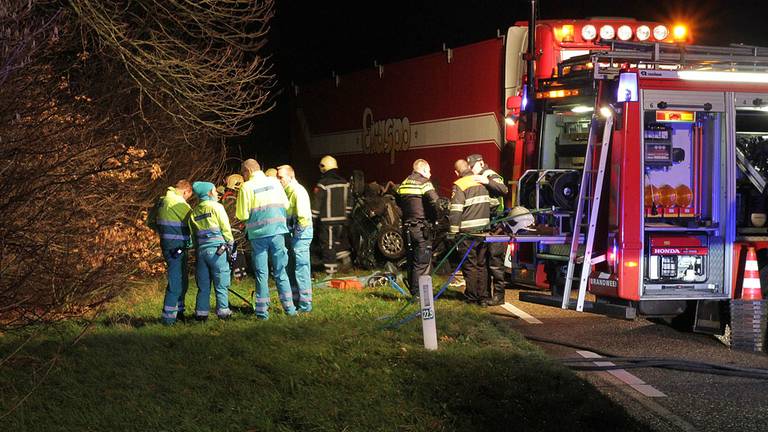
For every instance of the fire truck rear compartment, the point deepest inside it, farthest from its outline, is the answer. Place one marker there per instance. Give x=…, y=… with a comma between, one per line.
x=685, y=198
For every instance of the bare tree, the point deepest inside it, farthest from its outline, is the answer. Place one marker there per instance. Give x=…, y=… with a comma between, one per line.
x=103, y=104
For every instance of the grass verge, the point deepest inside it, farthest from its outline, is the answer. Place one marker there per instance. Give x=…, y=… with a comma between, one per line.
x=334, y=369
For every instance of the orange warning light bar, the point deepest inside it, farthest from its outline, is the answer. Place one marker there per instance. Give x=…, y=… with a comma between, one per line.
x=675, y=116
x=552, y=94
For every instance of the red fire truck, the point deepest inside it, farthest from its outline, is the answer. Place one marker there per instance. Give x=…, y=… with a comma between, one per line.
x=666, y=239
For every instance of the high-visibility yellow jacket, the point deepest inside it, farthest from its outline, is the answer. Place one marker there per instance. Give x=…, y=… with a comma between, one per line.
x=470, y=209
x=210, y=225
x=496, y=190
x=413, y=193
x=299, y=206
x=262, y=204
x=171, y=222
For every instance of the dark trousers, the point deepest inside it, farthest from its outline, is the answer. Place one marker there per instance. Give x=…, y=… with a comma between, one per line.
x=419, y=253
x=474, y=269
x=334, y=245
x=498, y=283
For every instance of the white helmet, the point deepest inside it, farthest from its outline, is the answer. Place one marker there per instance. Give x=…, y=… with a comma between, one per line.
x=522, y=219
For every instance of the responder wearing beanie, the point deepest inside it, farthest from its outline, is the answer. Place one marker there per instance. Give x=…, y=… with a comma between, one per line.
x=169, y=219
x=213, y=238
x=331, y=209
x=262, y=204
x=494, y=183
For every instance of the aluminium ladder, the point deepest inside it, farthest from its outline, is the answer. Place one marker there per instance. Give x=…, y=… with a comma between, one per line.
x=589, y=193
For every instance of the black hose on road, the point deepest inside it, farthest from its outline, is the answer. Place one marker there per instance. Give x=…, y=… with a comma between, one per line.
x=650, y=362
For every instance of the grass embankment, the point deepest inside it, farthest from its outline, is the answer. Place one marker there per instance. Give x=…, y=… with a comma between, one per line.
x=332, y=370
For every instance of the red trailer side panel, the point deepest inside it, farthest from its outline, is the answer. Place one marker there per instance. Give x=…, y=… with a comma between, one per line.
x=437, y=107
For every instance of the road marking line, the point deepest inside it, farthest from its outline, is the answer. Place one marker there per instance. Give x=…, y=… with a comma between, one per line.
x=625, y=377
x=525, y=316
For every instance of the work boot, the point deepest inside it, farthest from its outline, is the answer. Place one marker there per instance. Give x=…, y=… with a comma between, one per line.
x=496, y=300
x=200, y=318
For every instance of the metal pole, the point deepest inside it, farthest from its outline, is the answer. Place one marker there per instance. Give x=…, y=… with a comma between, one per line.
x=531, y=57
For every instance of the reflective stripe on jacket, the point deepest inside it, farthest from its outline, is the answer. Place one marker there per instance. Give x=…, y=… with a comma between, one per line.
x=262, y=204
x=332, y=200
x=210, y=225
x=172, y=220
x=469, y=210
x=413, y=193
x=496, y=190
x=299, y=206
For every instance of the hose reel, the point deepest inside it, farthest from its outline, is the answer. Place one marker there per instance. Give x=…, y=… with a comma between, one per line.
x=555, y=188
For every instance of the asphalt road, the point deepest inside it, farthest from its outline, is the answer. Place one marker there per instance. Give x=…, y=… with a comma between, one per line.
x=692, y=402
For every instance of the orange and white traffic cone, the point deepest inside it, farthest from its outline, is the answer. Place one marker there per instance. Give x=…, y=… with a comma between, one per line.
x=750, y=288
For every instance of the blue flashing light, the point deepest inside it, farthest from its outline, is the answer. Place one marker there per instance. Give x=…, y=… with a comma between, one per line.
x=524, y=102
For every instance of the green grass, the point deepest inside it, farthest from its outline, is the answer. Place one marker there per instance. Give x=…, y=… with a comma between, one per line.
x=335, y=369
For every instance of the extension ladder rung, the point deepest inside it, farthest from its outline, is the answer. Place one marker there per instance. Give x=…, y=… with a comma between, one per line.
x=593, y=201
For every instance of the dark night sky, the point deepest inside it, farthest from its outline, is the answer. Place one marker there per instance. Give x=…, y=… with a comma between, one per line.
x=313, y=38
x=310, y=39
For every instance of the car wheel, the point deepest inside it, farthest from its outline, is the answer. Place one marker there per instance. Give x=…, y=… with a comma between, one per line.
x=391, y=243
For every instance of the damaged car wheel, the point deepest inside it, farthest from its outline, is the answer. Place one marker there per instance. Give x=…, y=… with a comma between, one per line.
x=391, y=243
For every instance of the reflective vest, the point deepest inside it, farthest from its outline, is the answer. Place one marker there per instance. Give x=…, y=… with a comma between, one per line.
x=262, y=204
x=470, y=209
x=299, y=206
x=496, y=190
x=412, y=193
x=210, y=225
x=171, y=220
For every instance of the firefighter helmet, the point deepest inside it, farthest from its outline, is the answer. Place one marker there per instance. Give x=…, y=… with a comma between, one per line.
x=327, y=163
x=234, y=181
x=522, y=218
x=271, y=172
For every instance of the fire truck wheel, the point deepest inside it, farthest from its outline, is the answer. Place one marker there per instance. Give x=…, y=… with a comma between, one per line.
x=391, y=243
x=556, y=273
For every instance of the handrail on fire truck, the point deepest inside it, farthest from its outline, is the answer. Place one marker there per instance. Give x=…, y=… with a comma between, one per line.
x=676, y=56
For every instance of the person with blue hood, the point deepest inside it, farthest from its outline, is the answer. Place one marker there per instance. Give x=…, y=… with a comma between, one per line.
x=212, y=236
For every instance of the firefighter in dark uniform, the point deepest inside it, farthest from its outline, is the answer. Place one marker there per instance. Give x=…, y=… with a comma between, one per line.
x=494, y=183
x=418, y=200
x=331, y=209
x=470, y=213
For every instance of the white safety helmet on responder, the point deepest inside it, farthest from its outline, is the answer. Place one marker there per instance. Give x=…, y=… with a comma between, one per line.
x=327, y=163
x=522, y=218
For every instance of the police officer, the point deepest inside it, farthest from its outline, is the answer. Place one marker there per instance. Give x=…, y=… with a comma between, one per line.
x=262, y=204
x=418, y=200
x=300, y=237
x=213, y=239
x=169, y=219
x=494, y=183
x=331, y=209
x=470, y=214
